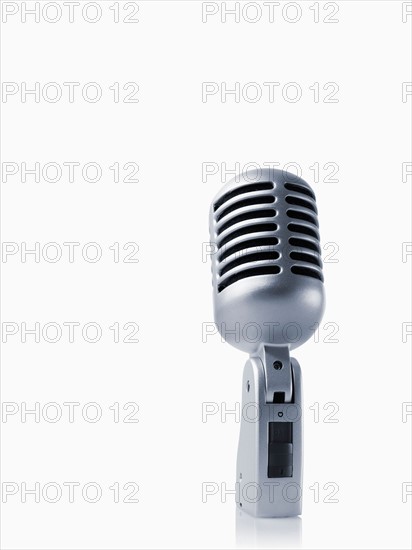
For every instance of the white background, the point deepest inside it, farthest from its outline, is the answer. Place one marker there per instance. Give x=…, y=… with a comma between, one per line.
x=172, y=371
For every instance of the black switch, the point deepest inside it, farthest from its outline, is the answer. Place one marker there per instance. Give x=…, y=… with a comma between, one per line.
x=280, y=449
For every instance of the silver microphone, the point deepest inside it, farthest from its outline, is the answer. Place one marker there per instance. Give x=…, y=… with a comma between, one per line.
x=268, y=296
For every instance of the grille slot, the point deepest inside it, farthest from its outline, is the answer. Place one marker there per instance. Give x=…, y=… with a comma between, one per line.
x=299, y=228
x=245, y=245
x=255, y=228
x=261, y=186
x=297, y=201
x=262, y=199
x=270, y=255
x=303, y=257
x=307, y=271
x=250, y=272
x=298, y=215
x=254, y=214
x=304, y=243
x=300, y=189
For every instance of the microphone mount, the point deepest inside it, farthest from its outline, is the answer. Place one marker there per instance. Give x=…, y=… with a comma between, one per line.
x=269, y=462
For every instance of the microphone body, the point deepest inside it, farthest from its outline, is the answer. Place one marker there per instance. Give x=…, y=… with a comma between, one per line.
x=268, y=297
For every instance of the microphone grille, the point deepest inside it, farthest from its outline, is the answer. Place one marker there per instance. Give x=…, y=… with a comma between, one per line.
x=265, y=228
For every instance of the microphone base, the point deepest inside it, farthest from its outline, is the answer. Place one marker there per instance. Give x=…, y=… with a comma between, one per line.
x=269, y=461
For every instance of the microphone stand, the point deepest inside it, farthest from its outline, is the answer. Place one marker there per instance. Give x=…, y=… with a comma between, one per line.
x=269, y=460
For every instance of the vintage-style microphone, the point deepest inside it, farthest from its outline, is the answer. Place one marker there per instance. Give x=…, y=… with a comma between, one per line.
x=268, y=295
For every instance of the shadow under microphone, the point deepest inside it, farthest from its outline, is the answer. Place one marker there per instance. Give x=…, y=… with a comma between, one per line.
x=268, y=297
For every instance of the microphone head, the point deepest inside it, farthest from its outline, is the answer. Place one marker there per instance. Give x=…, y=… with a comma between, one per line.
x=267, y=267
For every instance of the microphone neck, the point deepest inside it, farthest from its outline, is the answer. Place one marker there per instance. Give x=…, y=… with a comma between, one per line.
x=278, y=373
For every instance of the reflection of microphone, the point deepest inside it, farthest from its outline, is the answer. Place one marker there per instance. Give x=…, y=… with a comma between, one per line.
x=268, y=297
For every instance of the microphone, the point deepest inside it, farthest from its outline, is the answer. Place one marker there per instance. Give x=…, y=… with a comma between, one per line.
x=268, y=296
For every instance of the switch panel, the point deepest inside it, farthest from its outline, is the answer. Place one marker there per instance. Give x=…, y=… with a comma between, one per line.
x=280, y=449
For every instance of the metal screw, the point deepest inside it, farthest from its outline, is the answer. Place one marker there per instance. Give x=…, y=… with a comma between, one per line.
x=277, y=365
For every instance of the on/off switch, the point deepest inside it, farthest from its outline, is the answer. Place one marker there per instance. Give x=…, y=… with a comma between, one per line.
x=280, y=449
